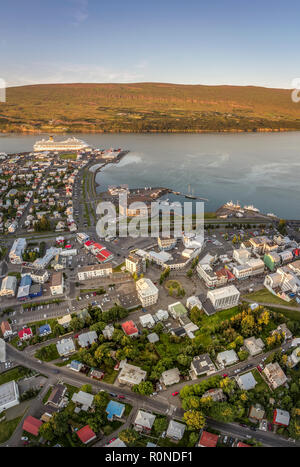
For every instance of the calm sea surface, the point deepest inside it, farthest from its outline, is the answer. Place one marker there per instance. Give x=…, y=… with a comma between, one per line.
x=259, y=169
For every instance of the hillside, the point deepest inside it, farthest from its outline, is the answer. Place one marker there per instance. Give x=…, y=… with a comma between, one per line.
x=144, y=107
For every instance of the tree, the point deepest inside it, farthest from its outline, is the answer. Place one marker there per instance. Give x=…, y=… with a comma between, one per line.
x=129, y=436
x=76, y=324
x=86, y=388
x=193, y=438
x=145, y=388
x=194, y=419
x=160, y=424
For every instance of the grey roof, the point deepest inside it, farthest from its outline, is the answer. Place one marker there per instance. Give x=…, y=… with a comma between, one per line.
x=84, y=399
x=8, y=393
x=246, y=381
x=2, y=351
x=144, y=419
x=282, y=417
x=87, y=338
x=175, y=430
x=65, y=346
x=153, y=337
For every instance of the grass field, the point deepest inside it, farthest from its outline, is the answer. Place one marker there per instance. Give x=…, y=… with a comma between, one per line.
x=13, y=375
x=69, y=156
x=265, y=296
x=7, y=428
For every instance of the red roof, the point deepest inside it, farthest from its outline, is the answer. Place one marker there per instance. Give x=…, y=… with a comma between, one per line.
x=5, y=326
x=86, y=434
x=129, y=328
x=32, y=425
x=242, y=445
x=100, y=258
x=89, y=243
x=25, y=333
x=208, y=440
x=106, y=253
x=98, y=246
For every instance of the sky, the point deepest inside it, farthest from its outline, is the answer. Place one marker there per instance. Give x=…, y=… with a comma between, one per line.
x=235, y=42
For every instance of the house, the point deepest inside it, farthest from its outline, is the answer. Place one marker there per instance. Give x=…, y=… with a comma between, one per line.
x=97, y=374
x=177, y=310
x=192, y=302
x=65, y=321
x=32, y=425
x=17, y=250
x=162, y=315
x=94, y=271
x=76, y=366
x=9, y=395
x=131, y=375
x=86, y=434
x=229, y=357
x=65, y=347
x=117, y=443
x=281, y=417
x=57, y=396
x=203, y=365
x=275, y=375
x=147, y=321
x=246, y=381
x=153, y=337
x=135, y=264
x=6, y=329
x=83, y=400
x=44, y=330
x=256, y=413
x=130, y=329
x=144, y=421
x=294, y=358
x=147, y=292
x=57, y=283
x=217, y=395
x=25, y=334
x=87, y=338
x=254, y=346
x=175, y=430
x=208, y=440
x=284, y=331
x=108, y=331
x=170, y=377
x=114, y=410
x=8, y=286
x=240, y=444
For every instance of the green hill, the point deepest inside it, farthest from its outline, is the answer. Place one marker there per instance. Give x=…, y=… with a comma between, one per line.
x=142, y=107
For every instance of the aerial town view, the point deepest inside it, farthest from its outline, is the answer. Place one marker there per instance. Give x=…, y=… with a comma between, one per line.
x=149, y=232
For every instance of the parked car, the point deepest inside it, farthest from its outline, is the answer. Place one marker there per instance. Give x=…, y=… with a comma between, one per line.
x=259, y=368
x=175, y=393
x=24, y=438
x=225, y=375
x=121, y=397
x=110, y=441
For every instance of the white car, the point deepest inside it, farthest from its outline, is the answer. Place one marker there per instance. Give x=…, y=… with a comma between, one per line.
x=24, y=438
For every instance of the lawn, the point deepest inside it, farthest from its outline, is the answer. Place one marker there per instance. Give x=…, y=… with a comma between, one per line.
x=7, y=428
x=110, y=376
x=261, y=384
x=68, y=156
x=48, y=353
x=265, y=296
x=14, y=374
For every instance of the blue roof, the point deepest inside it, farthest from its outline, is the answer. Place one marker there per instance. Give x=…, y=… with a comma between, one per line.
x=44, y=328
x=25, y=280
x=75, y=364
x=114, y=409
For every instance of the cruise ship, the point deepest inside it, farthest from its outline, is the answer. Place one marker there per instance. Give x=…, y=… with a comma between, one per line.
x=70, y=144
x=251, y=208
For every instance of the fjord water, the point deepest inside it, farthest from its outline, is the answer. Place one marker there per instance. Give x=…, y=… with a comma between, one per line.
x=260, y=169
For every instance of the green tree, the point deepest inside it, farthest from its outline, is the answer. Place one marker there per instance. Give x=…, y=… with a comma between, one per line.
x=194, y=419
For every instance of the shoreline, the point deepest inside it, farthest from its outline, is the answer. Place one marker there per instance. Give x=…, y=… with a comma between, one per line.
x=149, y=132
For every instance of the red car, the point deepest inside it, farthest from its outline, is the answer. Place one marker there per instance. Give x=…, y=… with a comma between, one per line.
x=175, y=393
x=113, y=439
x=259, y=368
x=121, y=397
x=225, y=375
x=94, y=294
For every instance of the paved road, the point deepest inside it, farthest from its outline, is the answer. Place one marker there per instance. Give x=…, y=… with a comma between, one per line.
x=158, y=404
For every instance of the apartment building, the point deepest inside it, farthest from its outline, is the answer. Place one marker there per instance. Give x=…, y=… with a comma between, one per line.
x=147, y=292
x=226, y=297
x=94, y=271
